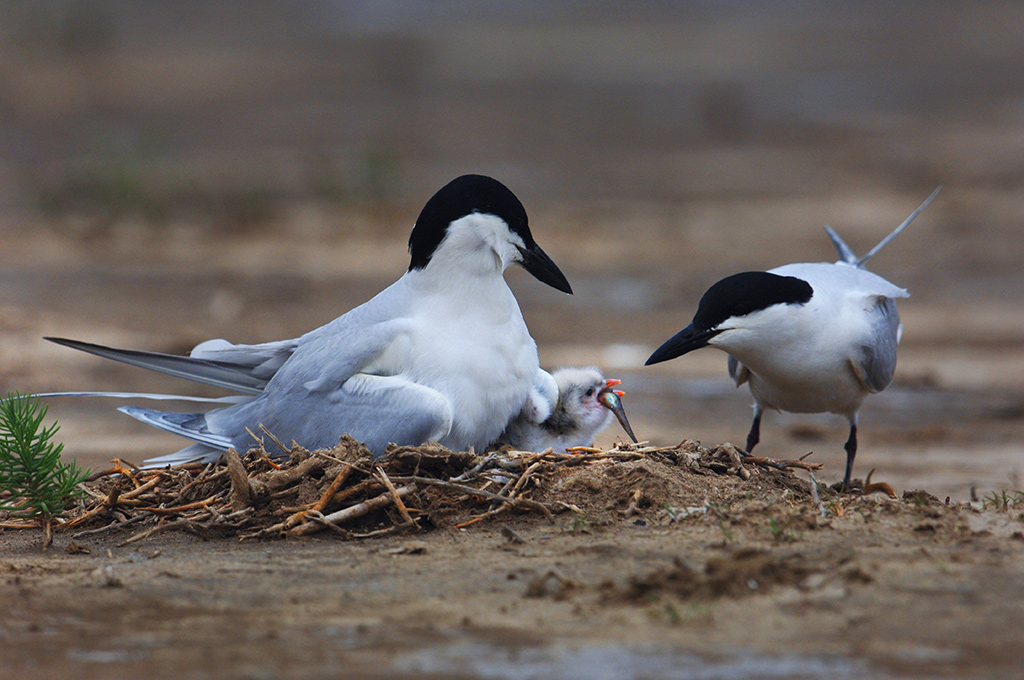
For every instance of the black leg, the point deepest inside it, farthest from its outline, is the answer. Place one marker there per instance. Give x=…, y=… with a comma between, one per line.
x=754, y=436
x=851, y=453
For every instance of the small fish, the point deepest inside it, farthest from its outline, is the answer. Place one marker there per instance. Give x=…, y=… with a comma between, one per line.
x=612, y=400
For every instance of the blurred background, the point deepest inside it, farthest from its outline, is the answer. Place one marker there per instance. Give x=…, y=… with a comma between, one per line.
x=171, y=172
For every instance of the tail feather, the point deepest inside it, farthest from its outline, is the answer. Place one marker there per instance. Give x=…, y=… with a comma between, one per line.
x=210, y=372
x=188, y=425
x=846, y=254
x=237, y=399
x=897, y=230
x=196, y=453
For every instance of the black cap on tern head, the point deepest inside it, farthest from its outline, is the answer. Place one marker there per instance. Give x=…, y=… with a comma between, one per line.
x=733, y=296
x=480, y=194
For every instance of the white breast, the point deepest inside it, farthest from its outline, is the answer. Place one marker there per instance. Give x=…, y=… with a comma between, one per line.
x=473, y=347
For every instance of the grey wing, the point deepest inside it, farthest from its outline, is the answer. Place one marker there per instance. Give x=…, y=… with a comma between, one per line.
x=228, y=366
x=877, y=364
x=375, y=410
x=260, y=361
x=737, y=371
x=321, y=392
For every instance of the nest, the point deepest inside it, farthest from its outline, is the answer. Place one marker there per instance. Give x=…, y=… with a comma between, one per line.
x=346, y=491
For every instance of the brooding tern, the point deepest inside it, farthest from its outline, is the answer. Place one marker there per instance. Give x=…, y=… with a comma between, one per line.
x=807, y=337
x=442, y=354
x=570, y=408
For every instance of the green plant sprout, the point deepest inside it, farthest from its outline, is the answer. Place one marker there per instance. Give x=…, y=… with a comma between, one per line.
x=1001, y=501
x=33, y=480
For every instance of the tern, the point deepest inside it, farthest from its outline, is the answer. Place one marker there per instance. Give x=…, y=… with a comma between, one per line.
x=570, y=407
x=443, y=354
x=806, y=337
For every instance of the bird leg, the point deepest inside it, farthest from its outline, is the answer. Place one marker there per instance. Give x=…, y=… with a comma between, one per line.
x=754, y=436
x=851, y=453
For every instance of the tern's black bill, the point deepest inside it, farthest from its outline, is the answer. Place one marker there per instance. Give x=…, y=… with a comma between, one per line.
x=537, y=262
x=682, y=342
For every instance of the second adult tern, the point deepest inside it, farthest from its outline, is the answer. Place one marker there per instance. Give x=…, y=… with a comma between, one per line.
x=806, y=337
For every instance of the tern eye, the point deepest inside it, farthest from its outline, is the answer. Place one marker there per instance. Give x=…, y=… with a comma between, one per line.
x=590, y=392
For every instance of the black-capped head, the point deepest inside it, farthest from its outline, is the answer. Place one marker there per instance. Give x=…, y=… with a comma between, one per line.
x=732, y=297
x=747, y=292
x=478, y=194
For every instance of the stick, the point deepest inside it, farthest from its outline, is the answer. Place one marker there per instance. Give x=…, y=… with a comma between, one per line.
x=204, y=476
x=102, y=473
x=522, y=479
x=354, y=511
x=29, y=524
x=109, y=527
x=536, y=505
x=877, y=487
x=305, y=514
x=333, y=488
x=781, y=464
x=182, y=508
x=120, y=469
x=320, y=520
x=138, y=491
x=345, y=494
x=402, y=510
x=381, y=532
x=264, y=430
x=582, y=449
x=162, y=526
x=504, y=507
x=469, y=474
x=272, y=480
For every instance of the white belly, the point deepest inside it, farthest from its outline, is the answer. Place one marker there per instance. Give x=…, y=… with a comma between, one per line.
x=482, y=359
x=813, y=390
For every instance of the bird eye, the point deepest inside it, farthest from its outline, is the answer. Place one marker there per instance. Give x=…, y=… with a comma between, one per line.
x=590, y=392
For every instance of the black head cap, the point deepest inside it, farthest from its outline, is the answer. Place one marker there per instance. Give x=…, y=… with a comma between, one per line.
x=463, y=196
x=736, y=295
x=747, y=292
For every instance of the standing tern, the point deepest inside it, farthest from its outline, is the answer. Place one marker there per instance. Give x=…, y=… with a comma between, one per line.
x=442, y=354
x=572, y=407
x=807, y=337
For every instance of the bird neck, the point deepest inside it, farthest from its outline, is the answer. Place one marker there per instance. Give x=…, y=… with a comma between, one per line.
x=459, y=276
x=559, y=422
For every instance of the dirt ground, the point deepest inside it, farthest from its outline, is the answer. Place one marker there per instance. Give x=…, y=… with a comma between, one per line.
x=660, y=572
x=256, y=189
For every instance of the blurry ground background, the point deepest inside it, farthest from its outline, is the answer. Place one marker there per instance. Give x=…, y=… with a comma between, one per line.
x=171, y=172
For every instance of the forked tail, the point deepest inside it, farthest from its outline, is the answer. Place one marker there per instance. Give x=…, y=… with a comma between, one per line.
x=846, y=253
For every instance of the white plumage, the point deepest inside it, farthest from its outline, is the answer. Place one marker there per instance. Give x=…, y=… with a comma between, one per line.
x=806, y=337
x=580, y=407
x=442, y=354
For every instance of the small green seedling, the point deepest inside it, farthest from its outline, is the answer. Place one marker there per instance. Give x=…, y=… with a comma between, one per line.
x=33, y=480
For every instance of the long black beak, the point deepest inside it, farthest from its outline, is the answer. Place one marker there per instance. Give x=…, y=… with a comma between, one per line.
x=543, y=268
x=682, y=342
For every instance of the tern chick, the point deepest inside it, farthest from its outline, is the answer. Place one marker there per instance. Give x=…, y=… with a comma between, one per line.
x=570, y=411
x=442, y=354
x=807, y=337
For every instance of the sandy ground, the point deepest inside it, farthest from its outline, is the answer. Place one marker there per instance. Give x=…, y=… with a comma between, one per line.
x=655, y=154
x=890, y=589
x=661, y=570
